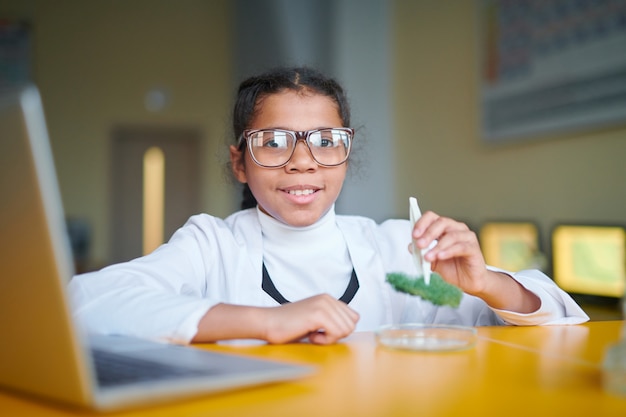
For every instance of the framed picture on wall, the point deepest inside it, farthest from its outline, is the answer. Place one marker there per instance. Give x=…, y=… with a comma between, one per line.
x=550, y=66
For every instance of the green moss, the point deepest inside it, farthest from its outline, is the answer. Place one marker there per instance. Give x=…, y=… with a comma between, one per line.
x=438, y=292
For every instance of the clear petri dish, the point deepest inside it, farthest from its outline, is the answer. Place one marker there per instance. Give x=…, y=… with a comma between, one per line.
x=427, y=337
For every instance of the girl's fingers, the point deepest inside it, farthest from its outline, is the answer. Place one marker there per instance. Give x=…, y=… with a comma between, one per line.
x=318, y=314
x=454, y=244
x=432, y=227
x=423, y=224
x=340, y=321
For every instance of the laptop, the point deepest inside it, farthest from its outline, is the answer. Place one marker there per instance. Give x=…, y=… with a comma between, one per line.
x=42, y=352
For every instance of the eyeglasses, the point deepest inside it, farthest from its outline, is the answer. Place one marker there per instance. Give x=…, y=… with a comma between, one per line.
x=273, y=148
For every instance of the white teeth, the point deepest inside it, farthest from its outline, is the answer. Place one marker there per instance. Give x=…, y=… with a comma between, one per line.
x=300, y=192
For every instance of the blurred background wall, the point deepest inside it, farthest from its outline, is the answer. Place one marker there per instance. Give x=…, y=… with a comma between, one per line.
x=95, y=63
x=410, y=68
x=577, y=177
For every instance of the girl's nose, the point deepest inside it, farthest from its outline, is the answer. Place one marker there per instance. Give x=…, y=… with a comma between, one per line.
x=301, y=160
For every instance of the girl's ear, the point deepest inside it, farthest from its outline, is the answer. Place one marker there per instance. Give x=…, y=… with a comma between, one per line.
x=237, y=164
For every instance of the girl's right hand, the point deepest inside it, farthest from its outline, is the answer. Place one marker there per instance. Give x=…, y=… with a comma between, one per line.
x=322, y=318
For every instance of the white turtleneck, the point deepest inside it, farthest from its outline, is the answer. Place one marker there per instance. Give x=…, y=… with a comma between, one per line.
x=305, y=261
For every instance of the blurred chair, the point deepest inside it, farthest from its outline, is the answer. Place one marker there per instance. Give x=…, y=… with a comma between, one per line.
x=79, y=233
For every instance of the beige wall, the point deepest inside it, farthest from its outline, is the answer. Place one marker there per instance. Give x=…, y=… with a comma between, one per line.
x=94, y=63
x=440, y=158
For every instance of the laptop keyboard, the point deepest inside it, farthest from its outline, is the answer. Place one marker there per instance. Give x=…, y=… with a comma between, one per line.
x=116, y=369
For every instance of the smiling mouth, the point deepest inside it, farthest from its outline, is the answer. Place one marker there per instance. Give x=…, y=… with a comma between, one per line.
x=301, y=192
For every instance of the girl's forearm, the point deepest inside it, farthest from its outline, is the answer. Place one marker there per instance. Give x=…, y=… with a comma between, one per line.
x=505, y=293
x=321, y=317
x=228, y=321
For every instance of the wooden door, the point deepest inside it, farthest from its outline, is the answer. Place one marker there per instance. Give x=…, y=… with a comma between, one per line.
x=180, y=147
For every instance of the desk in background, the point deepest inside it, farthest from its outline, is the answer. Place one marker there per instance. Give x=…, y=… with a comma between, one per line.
x=512, y=371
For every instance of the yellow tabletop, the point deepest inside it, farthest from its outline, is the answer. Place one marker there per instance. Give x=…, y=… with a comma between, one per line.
x=512, y=371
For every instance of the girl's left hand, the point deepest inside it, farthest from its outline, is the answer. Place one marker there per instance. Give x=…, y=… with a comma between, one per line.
x=457, y=256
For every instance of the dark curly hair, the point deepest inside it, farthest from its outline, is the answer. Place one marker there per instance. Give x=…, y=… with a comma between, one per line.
x=253, y=90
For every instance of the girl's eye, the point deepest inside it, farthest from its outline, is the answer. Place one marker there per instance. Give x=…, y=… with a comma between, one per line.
x=322, y=140
x=275, y=140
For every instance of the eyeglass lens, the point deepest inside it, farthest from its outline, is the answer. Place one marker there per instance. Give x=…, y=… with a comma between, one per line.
x=274, y=147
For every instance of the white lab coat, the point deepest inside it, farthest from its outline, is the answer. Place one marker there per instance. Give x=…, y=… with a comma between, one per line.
x=209, y=261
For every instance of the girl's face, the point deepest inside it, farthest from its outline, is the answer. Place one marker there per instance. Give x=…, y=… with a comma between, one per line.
x=275, y=188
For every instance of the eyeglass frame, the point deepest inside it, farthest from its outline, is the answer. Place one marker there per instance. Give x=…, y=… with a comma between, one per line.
x=300, y=135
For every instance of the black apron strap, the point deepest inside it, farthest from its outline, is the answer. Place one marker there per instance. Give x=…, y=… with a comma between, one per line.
x=268, y=286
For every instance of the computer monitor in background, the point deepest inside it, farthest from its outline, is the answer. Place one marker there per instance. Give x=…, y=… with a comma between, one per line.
x=590, y=260
x=513, y=246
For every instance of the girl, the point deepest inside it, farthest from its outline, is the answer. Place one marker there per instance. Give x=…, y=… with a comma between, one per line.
x=289, y=267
